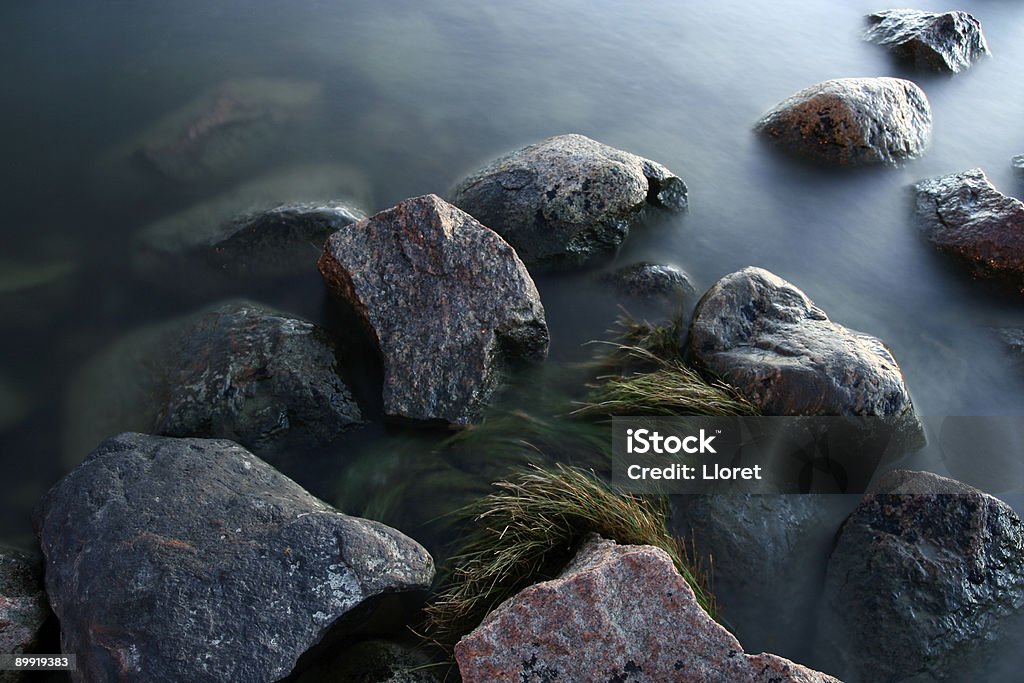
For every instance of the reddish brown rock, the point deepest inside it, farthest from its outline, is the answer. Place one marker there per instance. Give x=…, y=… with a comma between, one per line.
x=616, y=613
x=447, y=299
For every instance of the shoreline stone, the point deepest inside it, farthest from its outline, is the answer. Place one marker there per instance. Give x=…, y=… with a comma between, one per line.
x=946, y=41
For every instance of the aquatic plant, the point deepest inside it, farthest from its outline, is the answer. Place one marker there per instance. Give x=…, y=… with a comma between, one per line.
x=527, y=530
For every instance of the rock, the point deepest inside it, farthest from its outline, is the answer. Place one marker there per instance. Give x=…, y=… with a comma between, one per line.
x=853, y=121
x=948, y=41
x=616, y=613
x=268, y=228
x=764, y=336
x=1013, y=339
x=447, y=299
x=1018, y=164
x=924, y=575
x=567, y=199
x=374, y=661
x=237, y=370
x=964, y=215
x=193, y=560
x=23, y=609
x=649, y=280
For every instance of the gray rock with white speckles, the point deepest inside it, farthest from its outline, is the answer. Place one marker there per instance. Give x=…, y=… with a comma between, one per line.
x=194, y=560
x=23, y=608
x=939, y=41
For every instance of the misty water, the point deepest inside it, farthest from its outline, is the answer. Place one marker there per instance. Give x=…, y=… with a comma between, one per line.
x=417, y=94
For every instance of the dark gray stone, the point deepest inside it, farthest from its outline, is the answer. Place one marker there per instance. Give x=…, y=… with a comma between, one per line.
x=764, y=336
x=947, y=41
x=964, y=215
x=646, y=280
x=193, y=560
x=926, y=573
x=567, y=199
x=375, y=661
x=852, y=121
x=447, y=300
x=237, y=371
x=23, y=608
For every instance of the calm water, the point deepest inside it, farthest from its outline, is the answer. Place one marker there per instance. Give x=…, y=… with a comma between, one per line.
x=416, y=94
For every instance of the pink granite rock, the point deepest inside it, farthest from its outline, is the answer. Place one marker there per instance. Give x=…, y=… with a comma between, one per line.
x=616, y=613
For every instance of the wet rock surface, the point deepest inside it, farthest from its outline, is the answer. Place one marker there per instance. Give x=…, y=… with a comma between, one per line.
x=964, y=215
x=191, y=559
x=925, y=574
x=765, y=337
x=616, y=613
x=1018, y=164
x=237, y=370
x=646, y=280
x=1013, y=340
x=448, y=301
x=567, y=199
x=852, y=121
x=947, y=41
x=271, y=227
x=23, y=608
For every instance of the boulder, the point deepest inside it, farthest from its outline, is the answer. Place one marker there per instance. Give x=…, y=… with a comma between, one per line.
x=23, y=608
x=946, y=41
x=567, y=199
x=236, y=370
x=852, y=121
x=271, y=227
x=194, y=560
x=764, y=336
x=964, y=215
x=646, y=280
x=616, y=613
x=925, y=574
x=447, y=300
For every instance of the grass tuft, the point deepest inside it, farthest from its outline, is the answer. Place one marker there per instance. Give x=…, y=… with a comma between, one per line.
x=527, y=531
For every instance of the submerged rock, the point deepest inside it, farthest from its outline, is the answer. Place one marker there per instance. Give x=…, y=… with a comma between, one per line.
x=853, y=121
x=616, y=613
x=447, y=300
x=764, y=336
x=1018, y=164
x=238, y=371
x=23, y=609
x=950, y=41
x=193, y=560
x=267, y=228
x=649, y=280
x=1013, y=339
x=567, y=199
x=964, y=215
x=925, y=575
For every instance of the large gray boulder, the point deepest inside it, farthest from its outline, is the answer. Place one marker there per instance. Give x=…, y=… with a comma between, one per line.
x=964, y=215
x=925, y=575
x=616, y=613
x=23, y=608
x=271, y=227
x=765, y=337
x=448, y=301
x=237, y=370
x=939, y=41
x=194, y=560
x=852, y=121
x=567, y=199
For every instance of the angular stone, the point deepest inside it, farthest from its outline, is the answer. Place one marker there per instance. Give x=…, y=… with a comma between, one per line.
x=924, y=577
x=271, y=227
x=447, y=300
x=964, y=215
x=237, y=370
x=853, y=121
x=193, y=560
x=764, y=336
x=947, y=41
x=567, y=199
x=616, y=613
x=23, y=608
x=650, y=280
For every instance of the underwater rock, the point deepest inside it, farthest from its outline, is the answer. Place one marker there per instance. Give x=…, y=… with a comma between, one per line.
x=615, y=613
x=925, y=574
x=447, y=300
x=763, y=336
x=947, y=41
x=852, y=121
x=1018, y=164
x=567, y=199
x=237, y=371
x=194, y=560
x=964, y=215
x=373, y=661
x=649, y=280
x=271, y=227
x=23, y=608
